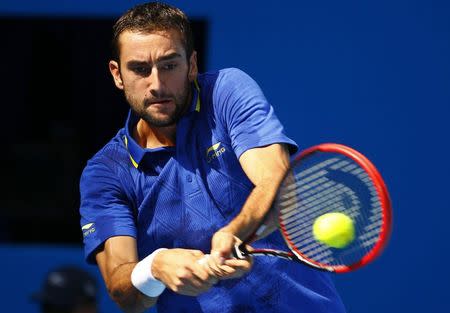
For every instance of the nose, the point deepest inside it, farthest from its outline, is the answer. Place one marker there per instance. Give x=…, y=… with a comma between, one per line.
x=155, y=83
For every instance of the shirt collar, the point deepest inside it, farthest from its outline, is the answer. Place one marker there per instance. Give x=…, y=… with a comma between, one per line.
x=135, y=151
x=195, y=104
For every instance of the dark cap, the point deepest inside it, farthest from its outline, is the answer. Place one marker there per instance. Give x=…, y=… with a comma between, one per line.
x=67, y=287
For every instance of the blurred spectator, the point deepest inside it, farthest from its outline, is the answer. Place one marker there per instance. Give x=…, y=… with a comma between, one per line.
x=68, y=289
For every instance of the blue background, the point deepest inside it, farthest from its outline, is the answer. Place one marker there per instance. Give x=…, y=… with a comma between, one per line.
x=374, y=75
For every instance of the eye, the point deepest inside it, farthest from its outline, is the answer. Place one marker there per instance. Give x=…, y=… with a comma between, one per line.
x=169, y=66
x=141, y=70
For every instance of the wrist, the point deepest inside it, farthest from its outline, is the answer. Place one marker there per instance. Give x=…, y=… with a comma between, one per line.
x=142, y=276
x=230, y=231
x=227, y=229
x=157, y=265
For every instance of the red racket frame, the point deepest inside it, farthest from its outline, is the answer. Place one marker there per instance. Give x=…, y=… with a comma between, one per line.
x=383, y=195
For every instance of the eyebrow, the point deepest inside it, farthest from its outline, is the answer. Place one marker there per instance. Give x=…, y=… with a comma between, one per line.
x=168, y=57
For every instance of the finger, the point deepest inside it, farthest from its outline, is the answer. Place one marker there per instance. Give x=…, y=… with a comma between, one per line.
x=240, y=263
x=218, y=256
x=240, y=267
x=202, y=270
x=188, y=291
x=222, y=244
x=206, y=274
x=234, y=272
x=196, y=253
x=188, y=275
x=227, y=270
x=180, y=287
x=211, y=278
x=190, y=282
x=198, y=286
x=215, y=268
x=195, y=283
x=203, y=261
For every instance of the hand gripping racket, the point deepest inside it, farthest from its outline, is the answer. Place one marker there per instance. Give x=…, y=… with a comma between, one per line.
x=329, y=178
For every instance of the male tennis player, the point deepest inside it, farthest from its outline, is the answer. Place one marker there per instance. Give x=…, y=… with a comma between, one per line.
x=193, y=171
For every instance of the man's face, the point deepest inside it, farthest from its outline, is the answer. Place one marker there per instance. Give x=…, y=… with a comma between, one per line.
x=155, y=75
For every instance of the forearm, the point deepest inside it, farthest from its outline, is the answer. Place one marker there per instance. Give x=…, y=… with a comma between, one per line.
x=116, y=263
x=135, y=285
x=124, y=293
x=266, y=167
x=254, y=210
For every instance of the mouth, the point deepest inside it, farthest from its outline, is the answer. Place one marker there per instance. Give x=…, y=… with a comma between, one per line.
x=158, y=103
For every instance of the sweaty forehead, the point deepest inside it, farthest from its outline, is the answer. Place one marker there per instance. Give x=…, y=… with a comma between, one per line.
x=145, y=46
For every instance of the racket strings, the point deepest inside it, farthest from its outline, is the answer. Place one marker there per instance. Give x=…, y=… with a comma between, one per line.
x=297, y=223
x=321, y=204
x=322, y=188
x=327, y=198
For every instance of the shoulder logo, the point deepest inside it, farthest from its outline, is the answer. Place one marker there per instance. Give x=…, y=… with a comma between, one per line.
x=214, y=151
x=88, y=229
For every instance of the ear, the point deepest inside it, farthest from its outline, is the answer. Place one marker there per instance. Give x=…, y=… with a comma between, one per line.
x=193, y=69
x=115, y=72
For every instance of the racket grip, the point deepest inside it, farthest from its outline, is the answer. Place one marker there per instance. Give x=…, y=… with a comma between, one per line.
x=240, y=251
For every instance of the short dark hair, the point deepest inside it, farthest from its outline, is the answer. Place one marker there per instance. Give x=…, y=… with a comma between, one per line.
x=153, y=16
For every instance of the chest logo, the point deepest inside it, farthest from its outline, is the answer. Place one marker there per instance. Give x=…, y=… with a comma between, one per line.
x=88, y=229
x=214, y=152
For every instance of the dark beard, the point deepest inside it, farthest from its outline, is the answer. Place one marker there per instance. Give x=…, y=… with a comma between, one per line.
x=169, y=121
x=181, y=105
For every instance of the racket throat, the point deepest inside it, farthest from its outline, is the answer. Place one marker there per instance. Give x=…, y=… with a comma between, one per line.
x=240, y=251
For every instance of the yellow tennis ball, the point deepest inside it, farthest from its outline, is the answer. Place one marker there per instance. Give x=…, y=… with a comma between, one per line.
x=334, y=229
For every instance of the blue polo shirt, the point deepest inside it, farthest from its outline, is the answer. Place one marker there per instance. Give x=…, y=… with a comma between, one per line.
x=178, y=197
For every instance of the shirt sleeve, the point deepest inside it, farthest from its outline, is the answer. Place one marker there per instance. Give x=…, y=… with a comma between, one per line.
x=104, y=208
x=248, y=117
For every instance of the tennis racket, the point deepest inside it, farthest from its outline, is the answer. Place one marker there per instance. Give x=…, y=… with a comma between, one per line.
x=329, y=178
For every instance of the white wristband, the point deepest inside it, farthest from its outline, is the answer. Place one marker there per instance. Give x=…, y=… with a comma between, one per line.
x=142, y=277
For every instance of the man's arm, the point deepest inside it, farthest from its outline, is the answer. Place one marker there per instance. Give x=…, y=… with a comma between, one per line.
x=266, y=168
x=178, y=269
x=116, y=262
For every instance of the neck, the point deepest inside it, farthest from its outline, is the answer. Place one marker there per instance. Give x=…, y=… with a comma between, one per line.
x=148, y=136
